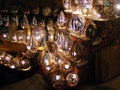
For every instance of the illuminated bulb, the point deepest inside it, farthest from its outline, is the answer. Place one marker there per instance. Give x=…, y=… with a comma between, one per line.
x=65, y=67
x=28, y=38
x=72, y=79
x=14, y=38
x=13, y=64
x=59, y=61
x=5, y=36
x=28, y=47
x=46, y=61
x=7, y=59
x=25, y=64
x=117, y=7
x=21, y=38
x=57, y=80
x=38, y=34
x=57, y=77
x=76, y=53
x=48, y=69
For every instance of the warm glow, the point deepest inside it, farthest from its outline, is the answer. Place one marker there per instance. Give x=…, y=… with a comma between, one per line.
x=48, y=68
x=4, y=35
x=23, y=62
x=118, y=7
x=12, y=66
x=67, y=66
x=28, y=47
x=57, y=77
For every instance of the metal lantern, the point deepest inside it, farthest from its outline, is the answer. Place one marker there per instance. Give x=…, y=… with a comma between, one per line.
x=117, y=7
x=102, y=10
x=77, y=25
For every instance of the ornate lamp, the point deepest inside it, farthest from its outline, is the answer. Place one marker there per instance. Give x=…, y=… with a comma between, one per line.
x=57, y=45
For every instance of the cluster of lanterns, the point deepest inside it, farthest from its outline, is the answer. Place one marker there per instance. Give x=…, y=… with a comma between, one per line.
x=100, y=10
x=58, y=46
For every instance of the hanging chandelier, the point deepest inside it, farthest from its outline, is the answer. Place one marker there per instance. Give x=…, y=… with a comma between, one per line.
x=57, y=46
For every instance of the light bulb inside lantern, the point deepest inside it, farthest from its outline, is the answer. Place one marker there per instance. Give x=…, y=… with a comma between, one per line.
x=51, y=31
x=21, y=38
x=7, y=59
x=48, y=69
x=13, y=64
x=25, y=64
x=58, y=60
x=6, y=37
x=13, y=37
x=57, y=80
x=117, y=7
x=66, y=67
x=72, y=79
x=48, y=59
x=38, y=33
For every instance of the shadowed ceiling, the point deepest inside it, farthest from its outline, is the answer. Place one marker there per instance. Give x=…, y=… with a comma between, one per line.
x=28, y=3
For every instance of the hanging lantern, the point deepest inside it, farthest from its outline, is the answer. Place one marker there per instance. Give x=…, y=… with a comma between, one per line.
x=76, y=7
x=66, y=67
x=34, y=22
x=77, y=25
x=76, y=53
x=14, y=63
x=86, y=6
x=72, y=79
x=57, y=80
x=20, y=35
x=47, y=11
x=117, y=7
x=67, y=5
x=7, y=59
x=102, y=10
x=24, y=63
x=61, y=21
x=64, y=43
x=51, y=31
x=38, y=33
